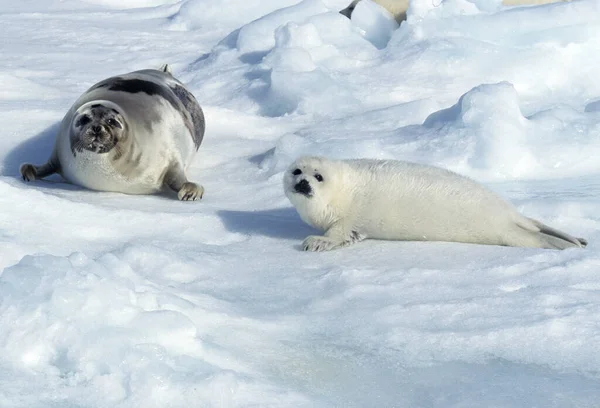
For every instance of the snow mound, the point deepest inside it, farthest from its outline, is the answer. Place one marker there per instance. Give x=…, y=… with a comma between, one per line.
x=484, y=131
x=295, y=52
x=483, y=135
x=198, y=14
x=295, y=76
x=126, y=301
x=419, y=10
x=258, y=36
x=499, y=142
x=377, y=24
x=130, y=4
x=104, y=326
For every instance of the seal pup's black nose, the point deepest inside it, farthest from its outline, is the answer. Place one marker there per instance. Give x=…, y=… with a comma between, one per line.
x=96, y=128
x=303, y=187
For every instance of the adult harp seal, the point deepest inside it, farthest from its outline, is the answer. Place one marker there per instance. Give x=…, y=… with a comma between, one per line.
x=134, y=133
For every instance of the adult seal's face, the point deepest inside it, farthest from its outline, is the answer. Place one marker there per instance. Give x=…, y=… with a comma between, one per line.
x=97, y=128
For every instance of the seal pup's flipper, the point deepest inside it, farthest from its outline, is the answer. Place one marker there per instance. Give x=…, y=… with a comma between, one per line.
x=176, y=180
x=31, y=172
x=553, y=237
x=334, y=238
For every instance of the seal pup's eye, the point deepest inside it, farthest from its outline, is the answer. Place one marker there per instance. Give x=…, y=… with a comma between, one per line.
x=84, y=120
x=319, y=177
x=297, y=172
x=114, y=123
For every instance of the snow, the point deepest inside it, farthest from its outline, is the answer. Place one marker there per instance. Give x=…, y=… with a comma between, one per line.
x=109, y=300
x=378, y=25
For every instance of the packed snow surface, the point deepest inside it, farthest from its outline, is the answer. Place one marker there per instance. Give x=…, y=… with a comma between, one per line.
x=110, y=300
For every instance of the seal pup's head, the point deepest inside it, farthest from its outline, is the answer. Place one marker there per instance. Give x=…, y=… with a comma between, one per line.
x=98, y=127
x=316, y=187
x=307, y=177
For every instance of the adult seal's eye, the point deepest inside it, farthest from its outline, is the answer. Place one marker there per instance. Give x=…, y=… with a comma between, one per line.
x=319, y=177
x=297, y=172
x=114, y=123
x=84, y=120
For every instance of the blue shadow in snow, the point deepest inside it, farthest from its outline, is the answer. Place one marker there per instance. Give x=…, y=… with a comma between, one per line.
x=282, y=223
x=36, y=150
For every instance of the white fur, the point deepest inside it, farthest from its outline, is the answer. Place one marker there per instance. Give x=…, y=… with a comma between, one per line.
x=397, y=200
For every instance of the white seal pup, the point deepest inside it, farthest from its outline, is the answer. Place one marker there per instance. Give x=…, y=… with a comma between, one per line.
x=134, y=133
x=397, y=8
x=352, y=200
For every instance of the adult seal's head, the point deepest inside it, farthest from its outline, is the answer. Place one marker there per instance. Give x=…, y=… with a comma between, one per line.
x=98, y=127
x=134, y=133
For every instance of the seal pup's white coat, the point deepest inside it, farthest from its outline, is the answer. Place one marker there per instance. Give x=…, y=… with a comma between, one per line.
x=352, y=200
x=134, y=133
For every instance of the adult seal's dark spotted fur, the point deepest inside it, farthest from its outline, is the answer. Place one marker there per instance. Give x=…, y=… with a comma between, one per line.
x=134, y=133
